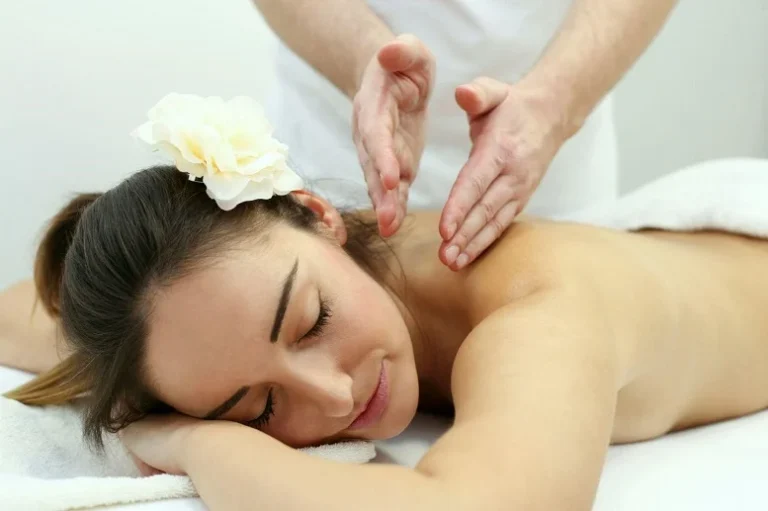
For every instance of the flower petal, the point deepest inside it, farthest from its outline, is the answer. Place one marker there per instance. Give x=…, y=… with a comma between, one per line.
x=225, y=186
x=256, y=191
x=287, y=181
x=222, y=157
x=262, y=162
x=184, y=165
x=229, y=144
x=144, y=133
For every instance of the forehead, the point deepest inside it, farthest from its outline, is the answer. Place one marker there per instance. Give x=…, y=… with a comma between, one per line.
x=254, y=270
x=249, y=270
x=204, y=321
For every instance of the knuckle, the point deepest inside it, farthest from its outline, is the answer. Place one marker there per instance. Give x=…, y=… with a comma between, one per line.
x=508, y=188
x=505, y=151
x=405, y=160
x=477, y=184
x=487, y=211
x=496, y=227
x=460, y=239
x=362, y=155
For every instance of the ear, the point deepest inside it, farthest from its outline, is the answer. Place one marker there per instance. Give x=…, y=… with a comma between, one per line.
x=325, y=213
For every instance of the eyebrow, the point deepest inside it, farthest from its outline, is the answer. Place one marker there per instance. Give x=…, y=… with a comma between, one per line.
x=283, y=305
x=228, y=404
x=281, y=308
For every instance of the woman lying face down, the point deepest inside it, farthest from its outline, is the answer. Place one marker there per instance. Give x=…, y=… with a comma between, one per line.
x=286, y=333
x=200, y=328
x=256, y=315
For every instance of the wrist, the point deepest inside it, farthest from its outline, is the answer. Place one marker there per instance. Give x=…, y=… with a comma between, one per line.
x=367, y=51
x=195, y=442
x=558, y=100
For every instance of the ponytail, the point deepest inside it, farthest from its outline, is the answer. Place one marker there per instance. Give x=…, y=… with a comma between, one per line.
x=49, y=262
x=60, y=385
x=67, y=380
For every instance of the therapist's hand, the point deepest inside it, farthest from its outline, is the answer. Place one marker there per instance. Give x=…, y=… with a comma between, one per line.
x=389, y=112
x=515, y=134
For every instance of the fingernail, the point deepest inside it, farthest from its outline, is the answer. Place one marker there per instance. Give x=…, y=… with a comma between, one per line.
x=451, y=230
x=451, y=253
x=462, y=260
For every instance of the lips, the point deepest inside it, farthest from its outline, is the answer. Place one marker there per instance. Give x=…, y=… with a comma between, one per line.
x=376, y=405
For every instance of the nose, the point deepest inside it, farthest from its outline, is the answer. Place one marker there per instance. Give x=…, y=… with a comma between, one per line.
x=318, y=379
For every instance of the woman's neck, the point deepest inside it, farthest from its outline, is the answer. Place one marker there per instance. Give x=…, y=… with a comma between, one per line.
x=431, y=298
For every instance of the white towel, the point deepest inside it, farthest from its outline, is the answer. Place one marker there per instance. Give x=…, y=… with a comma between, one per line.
x=46, y=466
x=729, y=195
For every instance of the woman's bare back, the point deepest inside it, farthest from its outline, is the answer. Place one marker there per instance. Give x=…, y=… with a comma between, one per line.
x=697, y=305
x=711, y=363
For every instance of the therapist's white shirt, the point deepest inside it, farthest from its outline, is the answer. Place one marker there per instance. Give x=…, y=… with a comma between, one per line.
x=501, y=39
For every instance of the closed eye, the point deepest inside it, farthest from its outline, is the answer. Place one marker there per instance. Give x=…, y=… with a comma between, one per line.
x=263, y=419
x=323, y=316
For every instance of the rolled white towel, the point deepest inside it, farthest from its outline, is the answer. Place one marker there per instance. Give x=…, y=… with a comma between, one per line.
x=45, y=465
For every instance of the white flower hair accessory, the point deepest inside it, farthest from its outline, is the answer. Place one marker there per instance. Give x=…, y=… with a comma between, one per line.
x=226, y=144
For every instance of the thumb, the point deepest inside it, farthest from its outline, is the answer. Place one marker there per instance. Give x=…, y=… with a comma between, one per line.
x=481, y=96
x=404, y=54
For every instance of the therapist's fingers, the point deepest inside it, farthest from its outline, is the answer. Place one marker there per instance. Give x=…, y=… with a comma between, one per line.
x=376, y=190
x=404, y=53
x=387, y=214
x=395, y=208
x=395, y=201
x=381, y=150
x=412, y=66
x=404, y=153
x=500, y=193
x=488, y=234
x=481, y=95
x=374, y=138
x=473, y=181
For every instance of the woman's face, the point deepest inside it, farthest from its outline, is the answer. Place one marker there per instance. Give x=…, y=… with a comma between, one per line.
x=289, y=336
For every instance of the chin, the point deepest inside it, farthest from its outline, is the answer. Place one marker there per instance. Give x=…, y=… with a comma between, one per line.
x=398, y=419
x=398, y=428
x=404, y=402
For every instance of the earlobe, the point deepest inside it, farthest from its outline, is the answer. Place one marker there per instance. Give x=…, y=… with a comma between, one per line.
x=325, y=213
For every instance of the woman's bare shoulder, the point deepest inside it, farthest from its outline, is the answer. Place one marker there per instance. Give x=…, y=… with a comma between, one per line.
x=536, y=254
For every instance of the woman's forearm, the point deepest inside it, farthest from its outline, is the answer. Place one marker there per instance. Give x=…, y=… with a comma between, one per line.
x=336, y=37
x=597, y=43
x=27, y=333
x=236, y=468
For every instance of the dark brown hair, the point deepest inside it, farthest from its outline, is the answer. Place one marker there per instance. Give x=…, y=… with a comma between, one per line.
x=103, y=256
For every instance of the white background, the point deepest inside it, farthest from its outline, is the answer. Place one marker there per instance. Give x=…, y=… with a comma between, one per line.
x=77, y=76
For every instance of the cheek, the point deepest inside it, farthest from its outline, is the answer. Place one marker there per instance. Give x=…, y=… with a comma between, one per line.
x=370, y=318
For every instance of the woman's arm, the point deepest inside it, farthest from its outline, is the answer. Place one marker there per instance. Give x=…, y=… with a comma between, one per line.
x=27, y=333
x=245, y=470
x=535, y=387
x=336, y=37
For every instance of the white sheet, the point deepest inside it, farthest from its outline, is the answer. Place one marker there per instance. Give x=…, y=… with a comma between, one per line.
x=712, y=468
